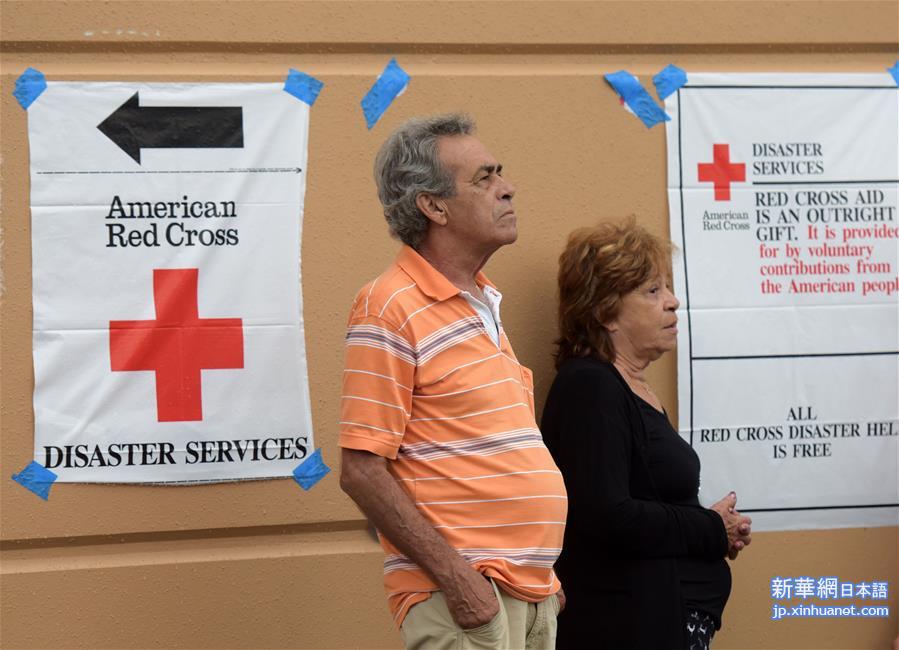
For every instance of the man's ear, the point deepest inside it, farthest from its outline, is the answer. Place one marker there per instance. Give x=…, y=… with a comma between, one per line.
x=432, y=207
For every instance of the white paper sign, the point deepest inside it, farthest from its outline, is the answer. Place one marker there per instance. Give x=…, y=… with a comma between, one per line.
x=783, y=194
x=168, y=330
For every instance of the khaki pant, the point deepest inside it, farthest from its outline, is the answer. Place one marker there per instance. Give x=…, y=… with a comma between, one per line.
x=517, y=626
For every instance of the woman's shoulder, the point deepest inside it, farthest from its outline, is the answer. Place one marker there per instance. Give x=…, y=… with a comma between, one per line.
x=585, y=389
x=592, y=376
x=588, y=369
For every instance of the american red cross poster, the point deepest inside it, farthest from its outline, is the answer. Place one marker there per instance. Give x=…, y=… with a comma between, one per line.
x=168, y=329
x=783, y=205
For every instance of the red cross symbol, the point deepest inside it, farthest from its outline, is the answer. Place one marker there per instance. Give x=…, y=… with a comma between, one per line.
x=177, y=345
x=721, y=171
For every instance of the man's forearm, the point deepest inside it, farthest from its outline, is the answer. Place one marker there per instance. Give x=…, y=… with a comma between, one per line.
x=469, y=596
x=366, y=480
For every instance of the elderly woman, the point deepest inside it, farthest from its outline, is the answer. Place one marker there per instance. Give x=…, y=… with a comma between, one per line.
x=643, y=563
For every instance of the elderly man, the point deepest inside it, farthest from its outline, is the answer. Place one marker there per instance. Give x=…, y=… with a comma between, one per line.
x=440, y=447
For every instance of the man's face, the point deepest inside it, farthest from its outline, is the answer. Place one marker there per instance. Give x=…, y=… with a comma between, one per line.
x=480, y=215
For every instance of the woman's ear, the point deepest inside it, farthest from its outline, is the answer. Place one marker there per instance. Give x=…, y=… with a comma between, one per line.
x=432, y=207
x=611, y=326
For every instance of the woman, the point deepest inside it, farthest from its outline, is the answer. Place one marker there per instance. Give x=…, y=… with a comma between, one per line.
x=643, y=562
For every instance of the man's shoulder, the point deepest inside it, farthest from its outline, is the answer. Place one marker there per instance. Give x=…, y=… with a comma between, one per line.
x=390, y=297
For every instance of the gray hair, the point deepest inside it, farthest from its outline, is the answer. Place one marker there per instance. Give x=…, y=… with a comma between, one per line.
x=407, y=165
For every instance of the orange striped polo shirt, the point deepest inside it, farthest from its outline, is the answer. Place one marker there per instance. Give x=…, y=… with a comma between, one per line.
x=427, y=387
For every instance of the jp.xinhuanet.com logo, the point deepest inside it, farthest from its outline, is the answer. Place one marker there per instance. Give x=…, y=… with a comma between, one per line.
x=826, y=590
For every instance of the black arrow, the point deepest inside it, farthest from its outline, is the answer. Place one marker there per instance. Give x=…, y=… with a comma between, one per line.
x=134, y=127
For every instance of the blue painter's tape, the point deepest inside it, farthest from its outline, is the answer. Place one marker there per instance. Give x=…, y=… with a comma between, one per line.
x=669, y=80
x=29, y=87
x=36, y=478
x=390, y=84
x=895, y=71
x=302, y=86
x=636, y=97
x=311, y=470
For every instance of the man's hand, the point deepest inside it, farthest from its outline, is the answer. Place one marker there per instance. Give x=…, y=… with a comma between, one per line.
x=561, y=596
x=738, y=527
x=471, y=600
x=469, y=595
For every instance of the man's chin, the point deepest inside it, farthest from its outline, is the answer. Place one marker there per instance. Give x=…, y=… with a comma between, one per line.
x=510, y=238
x=510, y=231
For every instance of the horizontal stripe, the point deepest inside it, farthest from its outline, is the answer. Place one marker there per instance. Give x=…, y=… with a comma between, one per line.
x=468, y=390
x=380, y=338
x=380, y=343
x=374, y=374
x=374, y=401
x=471, y=415
x=524, y=498
x=447, y=330
x=531, y=557
x=392, y=296
x=446, y=337
x=511, y=550
x=548, y=585
x=408, y=593
x=476, y=478
x=533, y=561
x=464, y=365
x=482, y=446
x=517, y=523
x=415, y=313
x=402, y=606
x=368, y=426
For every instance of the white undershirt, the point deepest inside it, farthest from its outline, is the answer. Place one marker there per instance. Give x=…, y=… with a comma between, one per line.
x=489, y=312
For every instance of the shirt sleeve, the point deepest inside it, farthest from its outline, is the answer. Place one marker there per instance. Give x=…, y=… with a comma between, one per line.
x=592, y=430
x=378, y=375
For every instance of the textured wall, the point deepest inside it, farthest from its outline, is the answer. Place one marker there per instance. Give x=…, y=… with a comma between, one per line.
x=263, y=564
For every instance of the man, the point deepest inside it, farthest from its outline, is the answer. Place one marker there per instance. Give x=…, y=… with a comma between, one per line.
x=440, y=447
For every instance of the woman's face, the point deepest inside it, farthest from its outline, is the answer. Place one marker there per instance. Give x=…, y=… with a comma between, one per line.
x=646, y=326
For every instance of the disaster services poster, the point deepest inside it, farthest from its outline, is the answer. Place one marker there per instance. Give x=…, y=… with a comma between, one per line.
x=783, y=197
x=168, y=329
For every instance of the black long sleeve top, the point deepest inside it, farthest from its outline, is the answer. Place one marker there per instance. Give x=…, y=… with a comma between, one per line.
x=631, y=515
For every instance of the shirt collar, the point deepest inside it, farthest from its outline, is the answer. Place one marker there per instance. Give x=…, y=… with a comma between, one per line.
x=429, y=279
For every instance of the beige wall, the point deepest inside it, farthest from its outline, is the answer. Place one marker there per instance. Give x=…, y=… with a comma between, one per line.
x=263, y=564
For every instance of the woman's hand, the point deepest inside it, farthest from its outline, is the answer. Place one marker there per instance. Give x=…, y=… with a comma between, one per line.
x=738, y=527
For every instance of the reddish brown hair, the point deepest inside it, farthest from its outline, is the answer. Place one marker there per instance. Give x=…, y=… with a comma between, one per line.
x=598, y=266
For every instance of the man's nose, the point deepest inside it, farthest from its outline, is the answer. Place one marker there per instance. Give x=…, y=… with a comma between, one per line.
x=506, y=188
